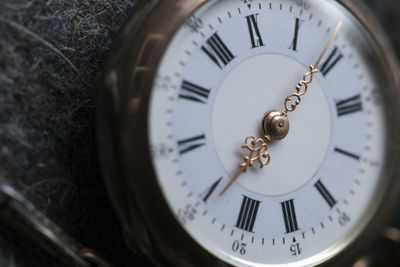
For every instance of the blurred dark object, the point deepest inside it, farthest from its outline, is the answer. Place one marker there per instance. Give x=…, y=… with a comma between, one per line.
x=50, y=51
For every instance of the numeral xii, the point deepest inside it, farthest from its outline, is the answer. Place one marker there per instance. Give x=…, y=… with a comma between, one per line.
x=254, y=31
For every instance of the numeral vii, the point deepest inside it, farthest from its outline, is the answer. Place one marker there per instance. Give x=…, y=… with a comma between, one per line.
x=334, y=57
x=289, y=216
x=217, y=51
x=190, y=144
x=247, y=214
x=193, y=92
x=349, y=105
x=325, y=194
x=254, y=31
x=297, y=26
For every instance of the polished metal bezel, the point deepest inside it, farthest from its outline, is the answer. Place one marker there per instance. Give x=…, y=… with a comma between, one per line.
x=122, y=102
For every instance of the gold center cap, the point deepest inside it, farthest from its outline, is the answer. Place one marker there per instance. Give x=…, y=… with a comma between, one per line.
x=276, y=125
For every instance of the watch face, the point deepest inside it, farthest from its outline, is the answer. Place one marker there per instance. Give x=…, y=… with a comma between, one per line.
x=226, y=67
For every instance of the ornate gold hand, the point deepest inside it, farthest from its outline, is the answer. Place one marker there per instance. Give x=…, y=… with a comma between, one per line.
x=276, y=124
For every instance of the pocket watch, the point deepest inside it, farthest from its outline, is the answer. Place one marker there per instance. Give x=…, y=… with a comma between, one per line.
x=250, y=132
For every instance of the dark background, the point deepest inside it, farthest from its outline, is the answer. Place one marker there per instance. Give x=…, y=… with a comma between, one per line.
x=50, y=52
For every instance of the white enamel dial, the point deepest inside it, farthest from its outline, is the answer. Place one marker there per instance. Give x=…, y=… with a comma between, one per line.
x=232, y=62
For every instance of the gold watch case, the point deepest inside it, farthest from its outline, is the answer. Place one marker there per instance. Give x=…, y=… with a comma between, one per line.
x=122, y=99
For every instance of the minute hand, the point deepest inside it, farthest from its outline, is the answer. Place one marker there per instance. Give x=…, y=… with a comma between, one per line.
x=276, y=124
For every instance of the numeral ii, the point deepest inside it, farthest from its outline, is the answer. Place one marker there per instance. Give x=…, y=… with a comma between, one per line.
x=334, y=57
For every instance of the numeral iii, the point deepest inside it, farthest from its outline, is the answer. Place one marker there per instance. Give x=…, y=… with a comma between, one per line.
x=289, y=216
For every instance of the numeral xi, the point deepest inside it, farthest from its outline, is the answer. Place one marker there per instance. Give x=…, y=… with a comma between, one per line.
x=247, y=214
x=217, y=51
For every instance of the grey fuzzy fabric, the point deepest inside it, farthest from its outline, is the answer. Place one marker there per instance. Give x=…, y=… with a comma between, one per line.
x=50, y=51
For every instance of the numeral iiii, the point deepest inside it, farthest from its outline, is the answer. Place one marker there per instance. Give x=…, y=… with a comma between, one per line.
x=247, y=214
x=193, y=92
x=217, y=51
x=254, y=31
x=191, y=143
x=349, y=105
x=289, y=215
x=325, y=194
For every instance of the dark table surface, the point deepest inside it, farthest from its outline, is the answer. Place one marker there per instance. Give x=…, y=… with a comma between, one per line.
x=50, y=52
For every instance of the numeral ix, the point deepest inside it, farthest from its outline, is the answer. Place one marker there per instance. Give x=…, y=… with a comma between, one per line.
x=193, y=92
x=190, y=144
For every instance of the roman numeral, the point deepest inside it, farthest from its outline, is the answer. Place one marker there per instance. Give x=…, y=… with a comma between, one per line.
x=331, y=61
x=348, y=154
x=254, y=31
x=325, y=194
x=211, y=189
x=193, y=92
x=297, y=26
x=289, y=215
x=217, y=51
x=349, y=105
x=247, y=214
x=191, y=144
